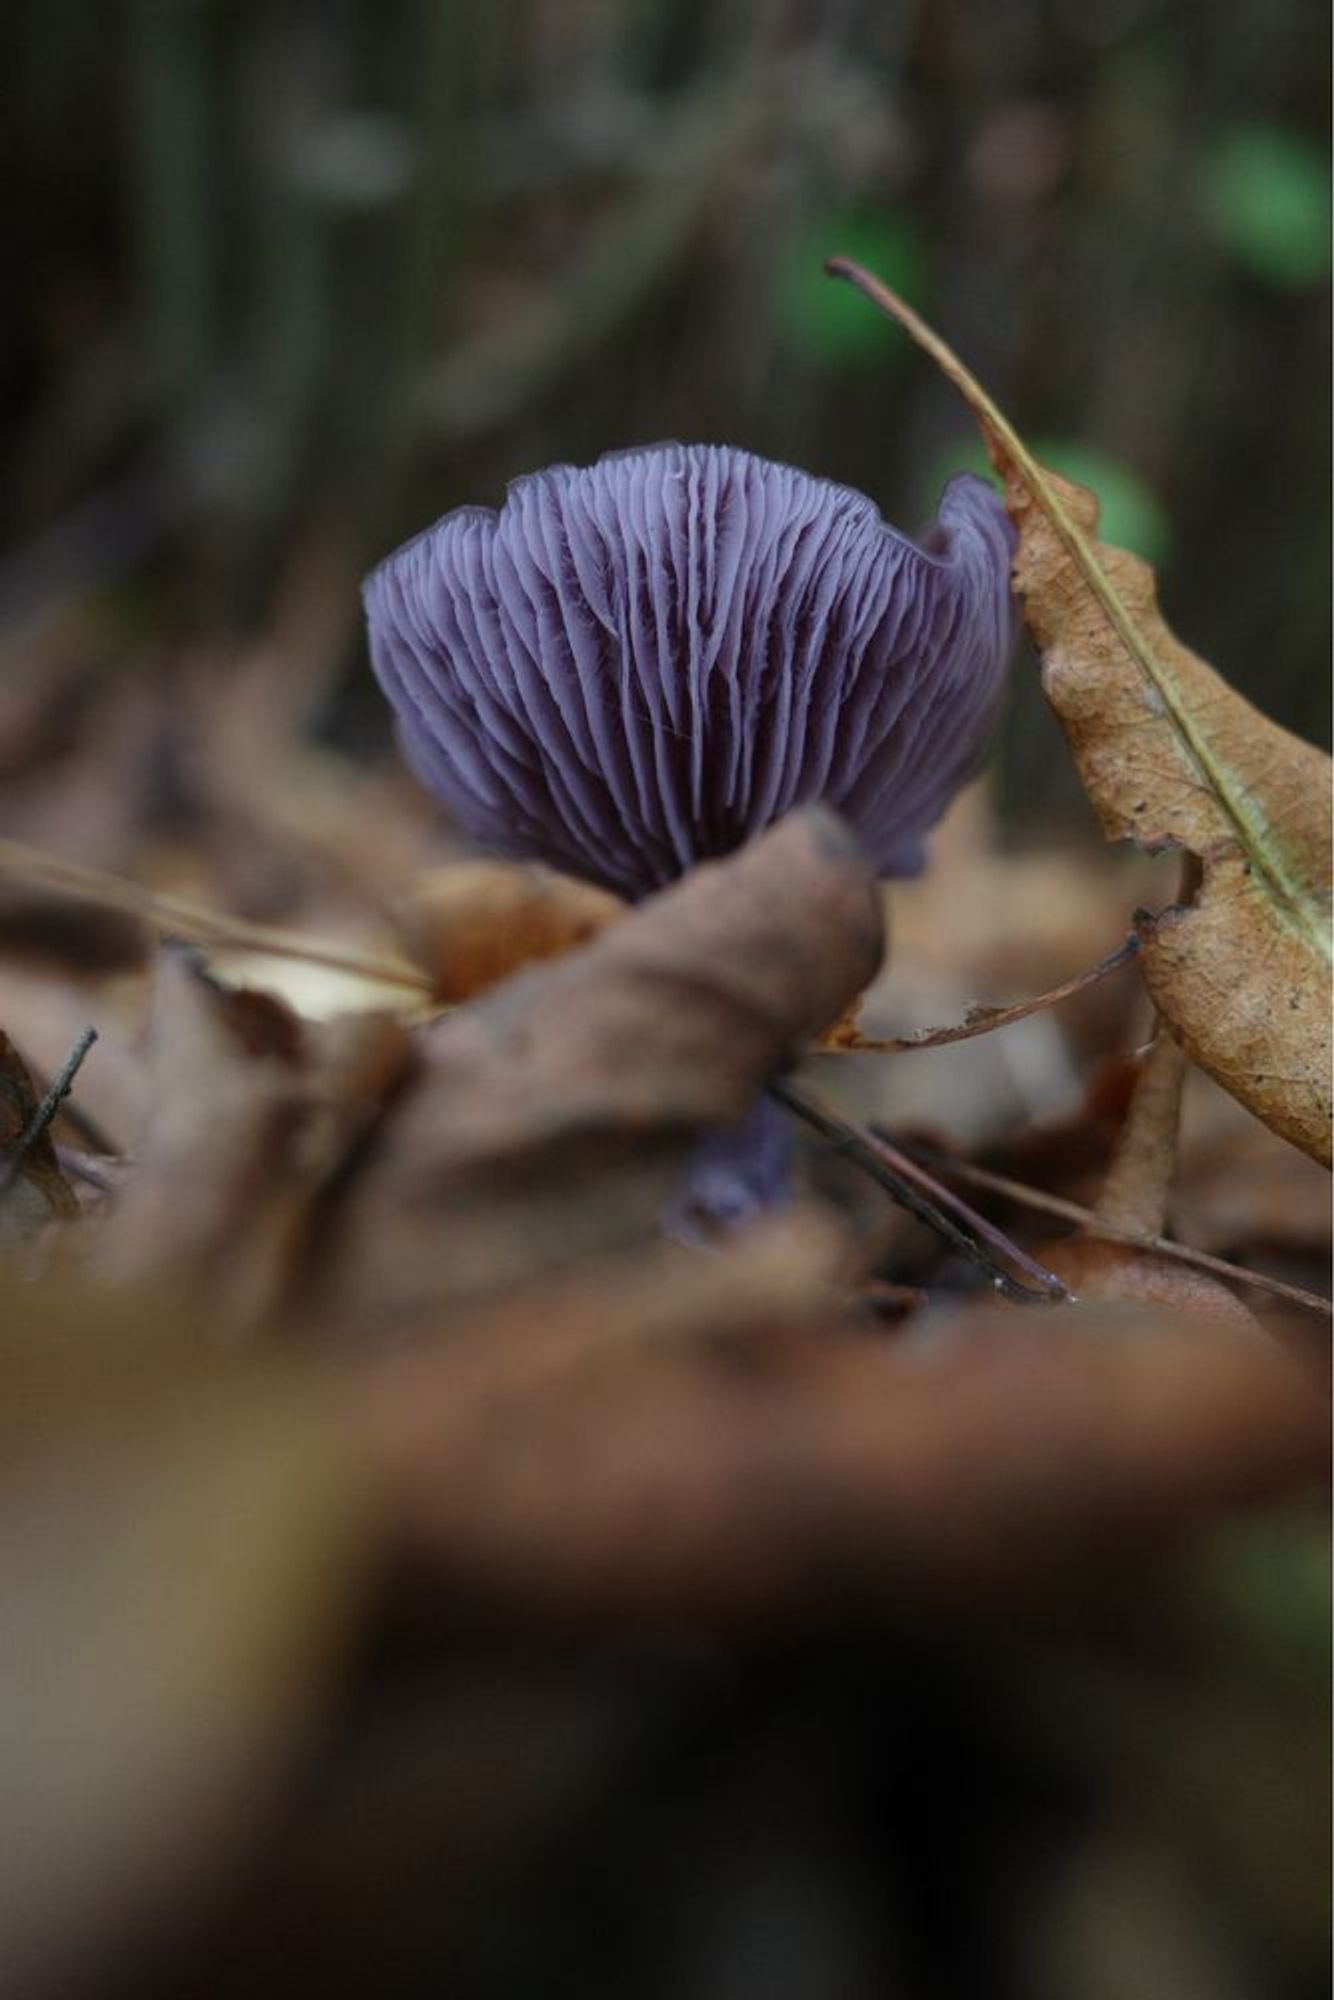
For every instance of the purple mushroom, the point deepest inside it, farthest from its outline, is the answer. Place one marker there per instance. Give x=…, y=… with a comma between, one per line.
x=639, y=664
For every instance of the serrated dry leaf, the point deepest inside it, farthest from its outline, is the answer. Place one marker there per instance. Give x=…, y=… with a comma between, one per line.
x=1243, y=973
x=1170, y=755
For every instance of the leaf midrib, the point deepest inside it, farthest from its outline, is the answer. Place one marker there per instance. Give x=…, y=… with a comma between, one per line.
x=1254, y=830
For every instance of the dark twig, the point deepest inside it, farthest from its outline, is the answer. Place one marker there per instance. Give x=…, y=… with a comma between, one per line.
x=914, y=1189
x=1163, y=1246
x=46, y=1109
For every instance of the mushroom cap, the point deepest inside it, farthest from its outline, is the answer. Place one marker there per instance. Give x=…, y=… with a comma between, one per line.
x=635, y=665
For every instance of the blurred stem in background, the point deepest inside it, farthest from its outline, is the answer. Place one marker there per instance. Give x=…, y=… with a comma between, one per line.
x=275, y=263
x=175, y=144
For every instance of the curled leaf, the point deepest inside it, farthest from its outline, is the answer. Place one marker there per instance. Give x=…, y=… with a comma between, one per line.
x=250, y=1111
x=1171, y=756
x=472, y=925
x=552, y=1118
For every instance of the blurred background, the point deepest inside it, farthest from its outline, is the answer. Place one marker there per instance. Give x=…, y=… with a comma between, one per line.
x=286, y=281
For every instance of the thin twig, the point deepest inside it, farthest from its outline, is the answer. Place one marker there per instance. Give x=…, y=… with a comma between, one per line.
x=905, y=1181
x=46, y=1109
x=980, y=1020
x=97, y=1142
x=176, y=917
x=987, y=1232
x=1163, y=1246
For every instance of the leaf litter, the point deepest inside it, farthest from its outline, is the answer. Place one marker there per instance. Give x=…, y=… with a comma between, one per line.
x=364, y=1426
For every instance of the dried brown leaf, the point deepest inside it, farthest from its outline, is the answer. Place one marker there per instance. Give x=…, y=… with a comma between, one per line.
x=1139, y=1180
x=551, y=1118
x=1045, y=1203
x=472, y=925
x=251, y=1112
x=1242, y=973
x=1102, y=1270
x=775, y=1476
x=1134, y=1201
x=784, y=1276
x=1241, y=1190
x=1172, y=756
x=226, y=1095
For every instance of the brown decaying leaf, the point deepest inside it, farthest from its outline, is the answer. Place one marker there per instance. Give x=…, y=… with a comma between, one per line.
x=1096, y=1269
x=1043, y=1203
x=1241, y=1190
x=551, y=1119
x=772, y=1473
x=1134, y=1201
x=1139, y=1181
x=250, y=1111
x=782, y=1277
x=1172, y=756
x=664, y=1437
x=1242, y=974
x=472, y=925
x=467, y=927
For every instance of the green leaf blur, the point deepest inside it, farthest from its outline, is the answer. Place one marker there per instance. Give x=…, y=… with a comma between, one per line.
x=827, y=323
x=1267, y=198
